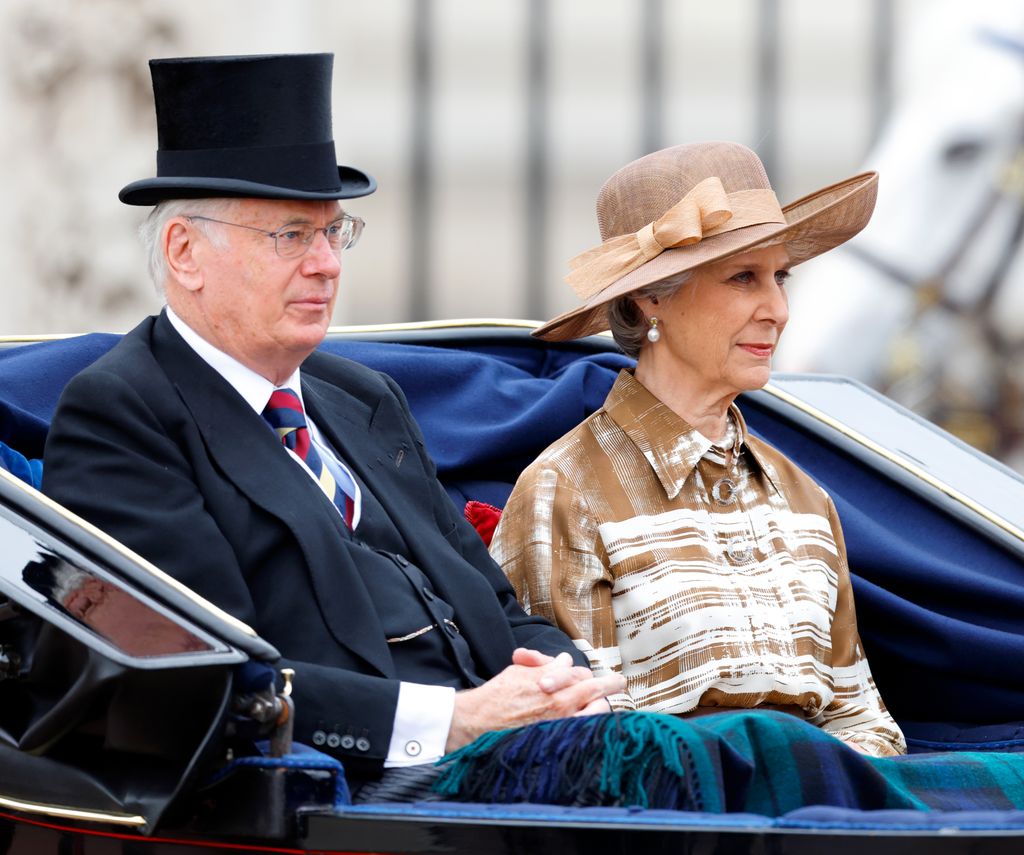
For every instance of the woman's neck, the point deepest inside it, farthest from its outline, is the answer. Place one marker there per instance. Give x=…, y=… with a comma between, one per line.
x=702, y=406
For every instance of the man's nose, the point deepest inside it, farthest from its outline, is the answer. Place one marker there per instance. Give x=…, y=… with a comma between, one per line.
x=321, y=259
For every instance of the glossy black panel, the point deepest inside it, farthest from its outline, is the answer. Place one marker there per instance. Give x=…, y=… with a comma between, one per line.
x=48, y=578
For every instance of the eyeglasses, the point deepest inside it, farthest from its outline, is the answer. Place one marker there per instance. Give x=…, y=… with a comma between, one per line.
x=294, y=239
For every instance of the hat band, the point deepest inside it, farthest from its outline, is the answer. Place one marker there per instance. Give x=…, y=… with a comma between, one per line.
x=310, y=167
x=705, y=211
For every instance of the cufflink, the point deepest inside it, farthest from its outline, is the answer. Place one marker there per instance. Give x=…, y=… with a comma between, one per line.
x=413, y=748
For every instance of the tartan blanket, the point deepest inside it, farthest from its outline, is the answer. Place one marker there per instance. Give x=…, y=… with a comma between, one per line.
x=750, y=761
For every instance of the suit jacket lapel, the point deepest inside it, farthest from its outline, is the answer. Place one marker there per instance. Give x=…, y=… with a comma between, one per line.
x=250, y=456
x=378, y=447
x=350, y=425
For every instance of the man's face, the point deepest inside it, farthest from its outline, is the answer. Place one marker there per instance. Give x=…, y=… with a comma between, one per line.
x=267, y=312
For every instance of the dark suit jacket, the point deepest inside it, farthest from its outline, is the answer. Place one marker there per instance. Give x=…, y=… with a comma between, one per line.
x=156, y=448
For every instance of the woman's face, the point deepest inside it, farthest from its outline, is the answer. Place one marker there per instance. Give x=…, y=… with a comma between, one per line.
x=720, y=329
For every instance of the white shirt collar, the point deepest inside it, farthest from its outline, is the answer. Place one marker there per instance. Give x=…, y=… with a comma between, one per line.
x=255, y=389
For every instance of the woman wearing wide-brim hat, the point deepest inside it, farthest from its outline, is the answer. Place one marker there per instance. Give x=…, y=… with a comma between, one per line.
x=667, y=542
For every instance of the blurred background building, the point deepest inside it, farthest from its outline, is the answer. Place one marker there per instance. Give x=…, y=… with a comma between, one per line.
x=490, y=125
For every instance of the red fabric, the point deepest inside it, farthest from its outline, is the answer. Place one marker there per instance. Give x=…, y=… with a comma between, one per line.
x=484, y=518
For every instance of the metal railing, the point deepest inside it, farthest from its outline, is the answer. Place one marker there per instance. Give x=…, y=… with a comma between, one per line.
x=771, y=42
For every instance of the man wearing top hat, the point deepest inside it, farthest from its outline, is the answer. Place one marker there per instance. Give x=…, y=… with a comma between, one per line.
x=290, y=487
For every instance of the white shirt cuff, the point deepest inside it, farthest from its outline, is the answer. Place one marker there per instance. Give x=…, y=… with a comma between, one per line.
x=422, y=721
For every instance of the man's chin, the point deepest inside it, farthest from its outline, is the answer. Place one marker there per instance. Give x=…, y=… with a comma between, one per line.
x=309, y=328
x=309, y=342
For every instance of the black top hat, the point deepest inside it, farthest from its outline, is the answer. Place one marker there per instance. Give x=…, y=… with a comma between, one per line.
x=250, y=126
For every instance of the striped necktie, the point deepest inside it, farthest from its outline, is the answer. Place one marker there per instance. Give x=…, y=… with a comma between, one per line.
x=285, y=415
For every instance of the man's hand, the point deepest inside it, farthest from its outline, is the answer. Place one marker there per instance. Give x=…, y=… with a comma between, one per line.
x=534, y=687
x=525, y=656
x=561, y=672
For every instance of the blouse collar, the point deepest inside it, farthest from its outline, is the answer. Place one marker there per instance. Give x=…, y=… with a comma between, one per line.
x=671, y=446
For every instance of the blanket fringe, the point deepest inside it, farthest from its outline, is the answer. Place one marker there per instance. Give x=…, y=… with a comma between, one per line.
x=621, y=759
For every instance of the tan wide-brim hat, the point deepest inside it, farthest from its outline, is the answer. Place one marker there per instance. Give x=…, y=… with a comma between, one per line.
x=677, y=209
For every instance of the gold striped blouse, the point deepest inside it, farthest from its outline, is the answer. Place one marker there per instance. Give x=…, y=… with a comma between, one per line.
x=705, y=586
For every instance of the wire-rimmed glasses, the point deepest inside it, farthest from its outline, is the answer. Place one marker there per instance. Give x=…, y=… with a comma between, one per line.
x=294, y=239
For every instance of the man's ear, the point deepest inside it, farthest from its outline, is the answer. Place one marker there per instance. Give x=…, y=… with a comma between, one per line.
x=179, y=252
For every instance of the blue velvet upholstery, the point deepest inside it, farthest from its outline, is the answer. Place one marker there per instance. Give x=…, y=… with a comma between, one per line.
x=939, y=605
x=486, y=415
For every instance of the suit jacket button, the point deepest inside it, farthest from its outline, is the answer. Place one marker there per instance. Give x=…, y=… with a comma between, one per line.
x=333, y=740
x=363, y=744
x=413, y=748
x=319, y=737
x=347, y=741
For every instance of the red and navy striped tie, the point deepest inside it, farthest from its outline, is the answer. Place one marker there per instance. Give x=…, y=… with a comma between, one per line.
x=285, y=415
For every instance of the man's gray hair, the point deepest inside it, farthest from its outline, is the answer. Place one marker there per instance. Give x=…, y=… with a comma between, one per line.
x=153, y=226
x=628, y=324
x=67, y=579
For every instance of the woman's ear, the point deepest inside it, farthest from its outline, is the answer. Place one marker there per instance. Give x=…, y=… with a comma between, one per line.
x=179, y=252
x=646, y=305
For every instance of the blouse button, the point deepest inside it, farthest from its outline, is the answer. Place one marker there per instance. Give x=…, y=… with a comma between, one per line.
x=739, y=549
x=723, y=491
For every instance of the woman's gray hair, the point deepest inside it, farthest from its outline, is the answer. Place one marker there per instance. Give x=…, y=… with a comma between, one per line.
x=153, y=227
x=628, y=324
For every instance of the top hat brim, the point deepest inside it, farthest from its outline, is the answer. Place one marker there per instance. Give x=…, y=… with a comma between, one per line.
x=352, y=183
x=814, y=224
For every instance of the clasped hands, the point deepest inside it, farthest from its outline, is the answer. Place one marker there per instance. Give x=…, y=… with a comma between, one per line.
x=534, y=687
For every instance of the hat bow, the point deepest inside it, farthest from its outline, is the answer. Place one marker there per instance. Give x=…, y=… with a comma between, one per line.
x=704, y=211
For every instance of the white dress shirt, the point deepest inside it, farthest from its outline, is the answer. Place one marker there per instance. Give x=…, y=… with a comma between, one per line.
x=423, y=716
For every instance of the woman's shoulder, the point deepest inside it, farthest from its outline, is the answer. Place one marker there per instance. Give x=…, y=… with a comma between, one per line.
x=589, y=438
x=570, y=451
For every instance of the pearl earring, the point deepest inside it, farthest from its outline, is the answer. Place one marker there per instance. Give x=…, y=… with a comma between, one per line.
x=653, y=334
